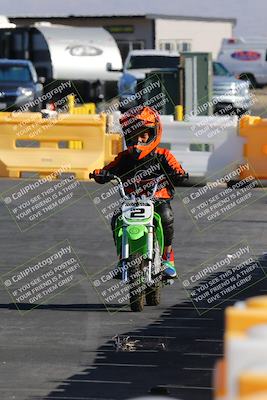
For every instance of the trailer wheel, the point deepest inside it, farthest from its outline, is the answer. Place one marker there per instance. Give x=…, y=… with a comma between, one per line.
x=249, y=77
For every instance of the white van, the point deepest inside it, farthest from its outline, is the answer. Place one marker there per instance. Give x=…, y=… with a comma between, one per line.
x=246, y=58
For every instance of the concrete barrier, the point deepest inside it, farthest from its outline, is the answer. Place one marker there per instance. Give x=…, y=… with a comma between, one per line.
x=204, y=145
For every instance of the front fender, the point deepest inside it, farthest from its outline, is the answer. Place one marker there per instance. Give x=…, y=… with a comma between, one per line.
x=137, y=238
x=135, y=232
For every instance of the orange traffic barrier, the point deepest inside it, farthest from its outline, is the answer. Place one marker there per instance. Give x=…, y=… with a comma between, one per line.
x=219, y=378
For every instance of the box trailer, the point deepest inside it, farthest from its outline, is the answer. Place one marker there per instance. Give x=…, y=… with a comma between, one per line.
x=246, y=57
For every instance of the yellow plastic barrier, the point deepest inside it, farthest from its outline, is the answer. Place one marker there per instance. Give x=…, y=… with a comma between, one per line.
x=258, y=396
x=251, y=383
x=257, y=302
x=254, y=129
x=29, y=143
x=179, y=113
x=113, y=145
x=86, y=108
x=239, y=319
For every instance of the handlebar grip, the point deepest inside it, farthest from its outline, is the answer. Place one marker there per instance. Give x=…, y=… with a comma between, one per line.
x=107, y=175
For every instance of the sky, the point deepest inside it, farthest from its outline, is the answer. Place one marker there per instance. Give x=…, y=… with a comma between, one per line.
x=251, y=15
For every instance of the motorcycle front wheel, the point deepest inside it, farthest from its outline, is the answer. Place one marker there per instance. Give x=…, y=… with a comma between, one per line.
x=136, y=282
x=153, y=292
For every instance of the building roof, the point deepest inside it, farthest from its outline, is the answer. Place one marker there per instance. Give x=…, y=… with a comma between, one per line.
x=195, y=18
x=106, y=8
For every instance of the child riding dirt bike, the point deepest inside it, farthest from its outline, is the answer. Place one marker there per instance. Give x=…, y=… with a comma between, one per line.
x=142, y=130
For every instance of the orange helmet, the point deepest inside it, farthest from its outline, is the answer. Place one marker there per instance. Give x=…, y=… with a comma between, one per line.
x=136, y=121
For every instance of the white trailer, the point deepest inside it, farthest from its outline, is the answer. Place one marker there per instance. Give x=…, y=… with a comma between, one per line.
x=61, y=52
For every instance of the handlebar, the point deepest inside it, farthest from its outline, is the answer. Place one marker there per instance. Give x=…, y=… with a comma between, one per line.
x=107, y=175
x=124, y=195
x=186, y=176
x=110, y=177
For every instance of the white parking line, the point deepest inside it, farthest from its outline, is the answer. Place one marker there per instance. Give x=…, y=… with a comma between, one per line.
x=187, y=387
x=203, y=354
x=198, y=369
x=191, y=318
x=97, y=381
x=209, y=340
x=73, y=398
x=126, y=365
x=177, y=327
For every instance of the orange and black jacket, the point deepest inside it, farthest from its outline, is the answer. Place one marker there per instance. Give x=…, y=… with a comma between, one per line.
x=159, y=162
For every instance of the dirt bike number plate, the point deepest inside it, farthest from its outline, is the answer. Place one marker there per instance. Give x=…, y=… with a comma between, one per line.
x=133, y=213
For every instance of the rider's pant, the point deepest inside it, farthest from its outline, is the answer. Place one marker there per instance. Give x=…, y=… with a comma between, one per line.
x=163, y=208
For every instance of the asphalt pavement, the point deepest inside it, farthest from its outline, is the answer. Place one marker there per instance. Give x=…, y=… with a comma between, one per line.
x=259, y=106
x=65, y=348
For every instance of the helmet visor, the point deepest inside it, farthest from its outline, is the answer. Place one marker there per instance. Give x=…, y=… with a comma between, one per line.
x=142, y=136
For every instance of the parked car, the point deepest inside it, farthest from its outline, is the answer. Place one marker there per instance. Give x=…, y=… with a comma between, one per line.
x=229, y=93
x=18, y=85
x=246, y=58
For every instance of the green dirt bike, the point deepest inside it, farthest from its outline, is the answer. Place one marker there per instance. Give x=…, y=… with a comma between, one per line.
x=140, y=244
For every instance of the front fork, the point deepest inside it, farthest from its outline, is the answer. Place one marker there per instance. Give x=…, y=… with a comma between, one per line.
x=124, y=253
x=149, y=255
x=150, y=241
